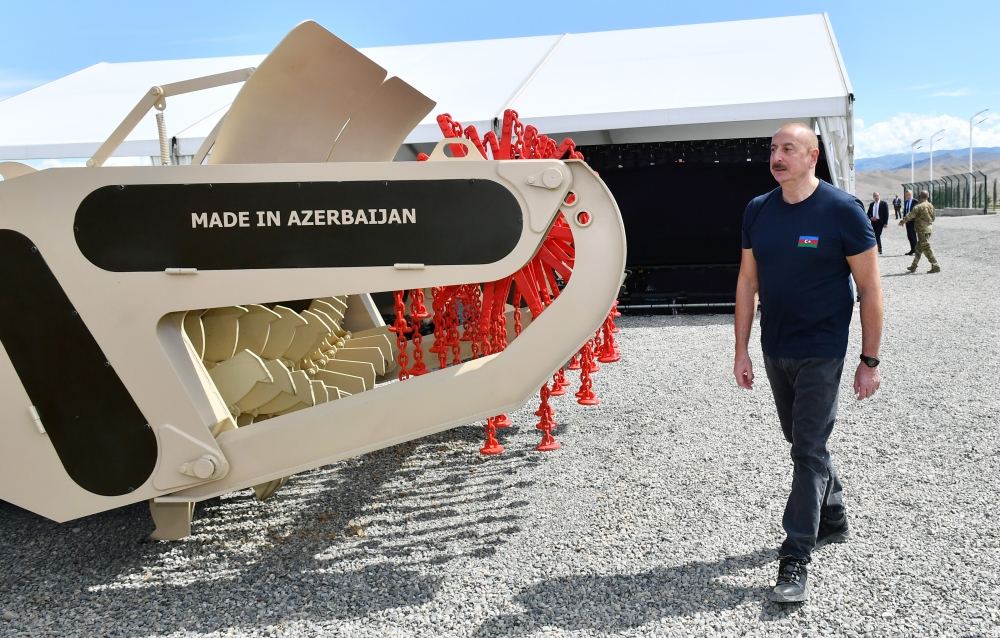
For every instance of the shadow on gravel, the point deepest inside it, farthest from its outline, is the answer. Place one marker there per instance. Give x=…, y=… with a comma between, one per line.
x=617, y=603
x=300, y=557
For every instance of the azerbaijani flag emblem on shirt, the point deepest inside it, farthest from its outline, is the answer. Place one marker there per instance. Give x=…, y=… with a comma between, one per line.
x=808, y=241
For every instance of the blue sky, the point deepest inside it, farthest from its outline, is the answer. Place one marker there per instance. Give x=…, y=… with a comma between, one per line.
x=916, y=66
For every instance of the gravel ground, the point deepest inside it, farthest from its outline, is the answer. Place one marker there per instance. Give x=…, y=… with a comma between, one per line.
x=660, y=515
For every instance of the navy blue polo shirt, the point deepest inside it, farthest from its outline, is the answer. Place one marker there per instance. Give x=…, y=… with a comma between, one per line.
x=805, y=292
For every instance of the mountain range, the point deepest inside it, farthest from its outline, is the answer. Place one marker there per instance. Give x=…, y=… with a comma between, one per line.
x=888, y=181
x=902, y=160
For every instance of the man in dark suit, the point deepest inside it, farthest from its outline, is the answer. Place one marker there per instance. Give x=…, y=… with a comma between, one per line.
x=878, y=213
x=911, y=232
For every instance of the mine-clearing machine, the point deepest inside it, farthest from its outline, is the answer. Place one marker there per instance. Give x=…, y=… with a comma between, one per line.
x=175, y=333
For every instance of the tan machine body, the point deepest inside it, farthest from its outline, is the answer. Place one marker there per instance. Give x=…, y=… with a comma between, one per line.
x=234, y=388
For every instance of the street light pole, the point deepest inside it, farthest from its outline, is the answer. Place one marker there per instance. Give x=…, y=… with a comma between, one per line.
x=931, y=140
x=914, y=147
x=971, y=125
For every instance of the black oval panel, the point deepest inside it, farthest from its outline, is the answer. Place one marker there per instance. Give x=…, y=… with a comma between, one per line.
x=97, y=430
x=150, y=227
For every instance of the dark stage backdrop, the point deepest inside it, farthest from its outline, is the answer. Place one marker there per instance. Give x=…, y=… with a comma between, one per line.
x=683, y=218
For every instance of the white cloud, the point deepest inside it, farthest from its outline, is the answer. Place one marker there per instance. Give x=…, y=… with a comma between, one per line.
x=921, y=87
x=897, y=133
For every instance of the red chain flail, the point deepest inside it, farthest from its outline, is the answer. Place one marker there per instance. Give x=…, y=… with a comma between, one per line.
x=547, y=423
x=491, y=142
x=559, y=383
x=451, y=128
x=417, y=314
x=451, y=315
x=507, y=135
x=574, y=363
x=539, y=281
x=477, y=313
x=567, y=150
x=473, y=309
x=465, y=296
x=537, y=284
x=609, y=349
x=585, y=395
x=440, y=305
x=401, y=329
x=492, y=446
x=517, y=137
x=544, y=290
x=498, y=329
x=529, y=145
x=594, y=349
x=418, y=311
x=472, y=135
x=485, y=327
x=544, y=410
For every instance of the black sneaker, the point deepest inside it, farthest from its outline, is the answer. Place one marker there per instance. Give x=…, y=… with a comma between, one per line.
x=832, y=533
x=792, y=585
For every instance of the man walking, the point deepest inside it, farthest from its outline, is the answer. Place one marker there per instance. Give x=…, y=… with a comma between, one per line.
x=922, y=217
x=802, y=242
x=897, y=203
x=911, y=232
x=878, y=213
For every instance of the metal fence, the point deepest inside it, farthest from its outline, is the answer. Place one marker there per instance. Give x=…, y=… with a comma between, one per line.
x=964, y=190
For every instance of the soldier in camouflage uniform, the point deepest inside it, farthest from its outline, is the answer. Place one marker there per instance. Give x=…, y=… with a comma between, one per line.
x=922, y=216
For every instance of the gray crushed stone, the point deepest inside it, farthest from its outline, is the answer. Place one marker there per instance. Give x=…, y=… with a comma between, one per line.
x=659, y=516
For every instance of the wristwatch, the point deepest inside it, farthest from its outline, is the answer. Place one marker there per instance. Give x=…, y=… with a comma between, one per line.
x=871, y=362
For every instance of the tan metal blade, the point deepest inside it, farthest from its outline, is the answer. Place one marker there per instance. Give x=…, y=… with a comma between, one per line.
x=297, y=101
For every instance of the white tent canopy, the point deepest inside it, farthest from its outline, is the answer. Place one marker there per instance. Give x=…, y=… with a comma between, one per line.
x=704, y=81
